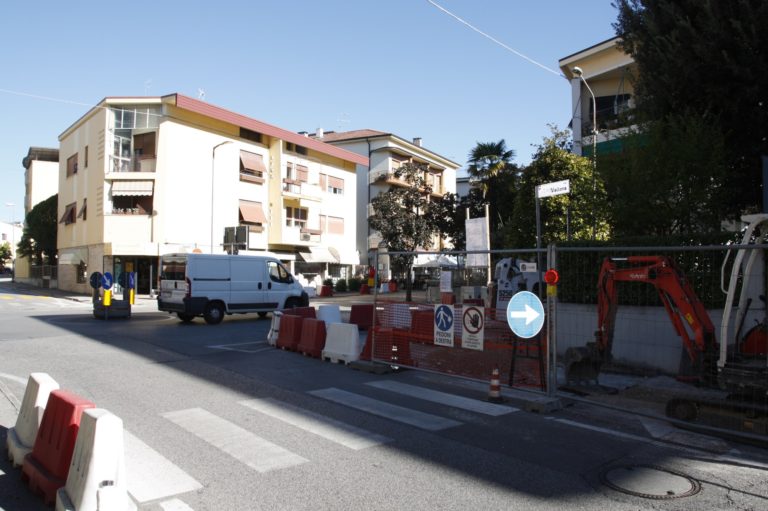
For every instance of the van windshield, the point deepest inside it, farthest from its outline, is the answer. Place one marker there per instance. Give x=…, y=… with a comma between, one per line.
x=173, y=268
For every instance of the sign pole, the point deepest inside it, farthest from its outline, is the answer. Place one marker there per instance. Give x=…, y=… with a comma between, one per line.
x=538, y=236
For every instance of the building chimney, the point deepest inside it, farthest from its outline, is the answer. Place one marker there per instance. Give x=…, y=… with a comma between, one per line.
x=417, y=141
x=319, y=133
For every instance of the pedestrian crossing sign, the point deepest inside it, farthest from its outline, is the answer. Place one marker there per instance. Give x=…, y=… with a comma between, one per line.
x=444, y=325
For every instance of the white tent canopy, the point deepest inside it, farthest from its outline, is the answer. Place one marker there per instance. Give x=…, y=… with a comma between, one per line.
x=434, y=261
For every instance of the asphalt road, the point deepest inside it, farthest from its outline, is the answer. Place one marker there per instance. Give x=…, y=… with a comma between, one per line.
x=216, y=419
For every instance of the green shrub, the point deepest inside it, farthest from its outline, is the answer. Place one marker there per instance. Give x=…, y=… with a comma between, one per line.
x=328, y=282
x=341, y=285
x=354, y=284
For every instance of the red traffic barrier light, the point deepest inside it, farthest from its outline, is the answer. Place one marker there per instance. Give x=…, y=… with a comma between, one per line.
x=551, y=277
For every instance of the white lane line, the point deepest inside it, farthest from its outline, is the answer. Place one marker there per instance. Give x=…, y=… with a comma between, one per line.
x=17, y=379
x=330, y=429
x=175, y=505
x=444, y=398
x=150, y=475
x=254, y=451
x=229, y=347
x=397, y=413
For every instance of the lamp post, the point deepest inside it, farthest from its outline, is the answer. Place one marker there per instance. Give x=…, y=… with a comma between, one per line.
x=13, y=238
x=213, y=166
x=577, y=71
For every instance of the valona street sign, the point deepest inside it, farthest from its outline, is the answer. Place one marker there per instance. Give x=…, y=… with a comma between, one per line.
x=551, y=189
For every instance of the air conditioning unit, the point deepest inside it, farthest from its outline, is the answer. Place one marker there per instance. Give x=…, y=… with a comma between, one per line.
x=305, y=237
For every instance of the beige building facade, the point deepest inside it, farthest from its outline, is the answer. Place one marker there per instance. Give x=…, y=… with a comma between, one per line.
x=144, y=176
x=386, y=152
x=602, y=95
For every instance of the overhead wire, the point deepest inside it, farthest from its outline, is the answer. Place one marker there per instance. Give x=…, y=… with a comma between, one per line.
x=488, y=36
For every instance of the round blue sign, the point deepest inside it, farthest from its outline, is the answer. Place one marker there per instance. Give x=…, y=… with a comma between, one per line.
x=444, y=318
x=132, y=280
x=106, y=280
x=525, y=314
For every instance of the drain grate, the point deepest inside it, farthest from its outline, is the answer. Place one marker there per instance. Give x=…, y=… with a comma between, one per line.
x=650, y=482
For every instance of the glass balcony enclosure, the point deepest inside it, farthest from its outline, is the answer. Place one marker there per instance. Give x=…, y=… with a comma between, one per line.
x=133, y=135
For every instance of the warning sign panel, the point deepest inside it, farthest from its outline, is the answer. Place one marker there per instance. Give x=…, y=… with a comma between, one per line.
x=444, y=325
x=472, y=327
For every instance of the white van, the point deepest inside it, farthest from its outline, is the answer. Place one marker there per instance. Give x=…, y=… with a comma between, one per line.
x=212, y=285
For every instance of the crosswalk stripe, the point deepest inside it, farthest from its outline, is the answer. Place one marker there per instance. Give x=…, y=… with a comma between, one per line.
x=397, y=413
x=330, y=429
x=175, y=505
x=443, y=398
x=150, y=475
x=254, y=451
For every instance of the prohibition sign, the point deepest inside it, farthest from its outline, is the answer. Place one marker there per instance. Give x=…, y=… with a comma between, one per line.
x=472, y=319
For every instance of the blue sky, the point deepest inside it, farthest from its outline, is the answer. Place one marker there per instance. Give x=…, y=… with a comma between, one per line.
x=400, y=66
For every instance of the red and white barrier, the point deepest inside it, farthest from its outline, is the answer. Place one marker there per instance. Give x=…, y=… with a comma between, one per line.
x=274, y=329
x=96, y=479
x=22, y=436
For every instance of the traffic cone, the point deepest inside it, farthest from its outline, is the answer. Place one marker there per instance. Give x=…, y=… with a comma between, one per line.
x=494, y=394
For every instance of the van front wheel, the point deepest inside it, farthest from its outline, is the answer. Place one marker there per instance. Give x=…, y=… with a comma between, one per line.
x=214, y=313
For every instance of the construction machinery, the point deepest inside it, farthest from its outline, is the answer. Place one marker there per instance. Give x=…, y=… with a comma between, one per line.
x=737, y=364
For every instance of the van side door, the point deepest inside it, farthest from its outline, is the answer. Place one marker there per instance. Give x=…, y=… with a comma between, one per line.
x=248, y=284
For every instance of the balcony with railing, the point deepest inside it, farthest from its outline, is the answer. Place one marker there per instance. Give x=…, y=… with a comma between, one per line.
x=132, y=164
x=301, y=189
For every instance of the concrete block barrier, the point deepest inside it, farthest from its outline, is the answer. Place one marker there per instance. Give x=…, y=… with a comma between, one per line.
x=290, y=332
x=329, y=313
x=274, y=328
x=312, y=339
x=22, y=436
x=46, y=467
x=96, y=479
x=342, y=343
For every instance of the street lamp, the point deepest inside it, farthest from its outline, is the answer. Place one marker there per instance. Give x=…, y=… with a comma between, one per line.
x=13, y=238
x=213, y=166
x=578, y=73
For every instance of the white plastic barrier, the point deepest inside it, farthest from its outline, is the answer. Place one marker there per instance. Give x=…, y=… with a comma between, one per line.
x=342, y=343
x=21, y=437
x=96, y=479
x=329, y=314
x=274, y=329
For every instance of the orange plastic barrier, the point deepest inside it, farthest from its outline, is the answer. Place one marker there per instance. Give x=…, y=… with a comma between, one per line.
x=423, y=326
x=312, y=341
x=47, y=466
x=290, y=331
x=361, y=315
x=304, y=312
x=392, y=345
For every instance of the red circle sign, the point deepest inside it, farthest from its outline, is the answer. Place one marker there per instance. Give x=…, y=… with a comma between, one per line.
x=551, y=277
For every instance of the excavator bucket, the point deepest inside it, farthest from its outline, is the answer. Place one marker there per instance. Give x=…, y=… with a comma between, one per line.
x=582, y=365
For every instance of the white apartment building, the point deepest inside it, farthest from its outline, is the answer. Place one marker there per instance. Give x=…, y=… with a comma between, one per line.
x=386, y=152
x=144, y=176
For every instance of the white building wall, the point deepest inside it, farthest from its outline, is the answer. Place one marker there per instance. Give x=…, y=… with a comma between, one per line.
x=42, y=182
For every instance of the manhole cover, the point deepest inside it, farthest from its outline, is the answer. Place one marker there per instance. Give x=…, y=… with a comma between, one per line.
x=650, y=482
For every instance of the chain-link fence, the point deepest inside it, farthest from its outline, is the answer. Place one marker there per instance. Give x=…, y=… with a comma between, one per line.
x=669, y=332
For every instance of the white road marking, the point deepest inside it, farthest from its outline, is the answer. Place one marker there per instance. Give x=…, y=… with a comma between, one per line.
x=254, y=451
x=330, y=429
x=150, y=475
x=444, y=398
x=17, y=379
x=175, y=505
x=397, y=413
x=229, y=347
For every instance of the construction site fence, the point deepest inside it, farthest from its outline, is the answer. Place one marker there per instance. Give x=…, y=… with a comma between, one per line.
x=650, y=370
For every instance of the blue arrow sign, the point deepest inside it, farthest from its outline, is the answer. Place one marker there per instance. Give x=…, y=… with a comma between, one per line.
x=106, y=280
x=525, y=314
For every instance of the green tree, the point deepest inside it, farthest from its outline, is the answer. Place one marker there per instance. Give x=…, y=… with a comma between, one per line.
x=576, y=215
x=488, y=160
x=705, y=58
x=6, y=255
x=669, y=179
x=448, y=215
x=401, y=217
x=38, y=240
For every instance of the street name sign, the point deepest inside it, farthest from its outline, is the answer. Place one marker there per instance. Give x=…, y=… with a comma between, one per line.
x=551, y=189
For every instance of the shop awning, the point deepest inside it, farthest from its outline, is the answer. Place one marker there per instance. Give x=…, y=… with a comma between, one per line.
x=318, y=255
x=252, y=161
x=349, y=256
x=132, y=188
x=252, y=212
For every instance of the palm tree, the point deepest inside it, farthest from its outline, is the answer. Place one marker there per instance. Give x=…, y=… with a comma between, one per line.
x=487, y=160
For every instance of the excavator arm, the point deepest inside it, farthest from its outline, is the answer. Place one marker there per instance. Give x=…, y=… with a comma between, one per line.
x=688, y=315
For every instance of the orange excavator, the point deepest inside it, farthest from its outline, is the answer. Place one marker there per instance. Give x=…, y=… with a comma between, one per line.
x=737, y=364
x=689, y=317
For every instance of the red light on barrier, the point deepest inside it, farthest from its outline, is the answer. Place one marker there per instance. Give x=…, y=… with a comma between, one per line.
x=551, y=277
